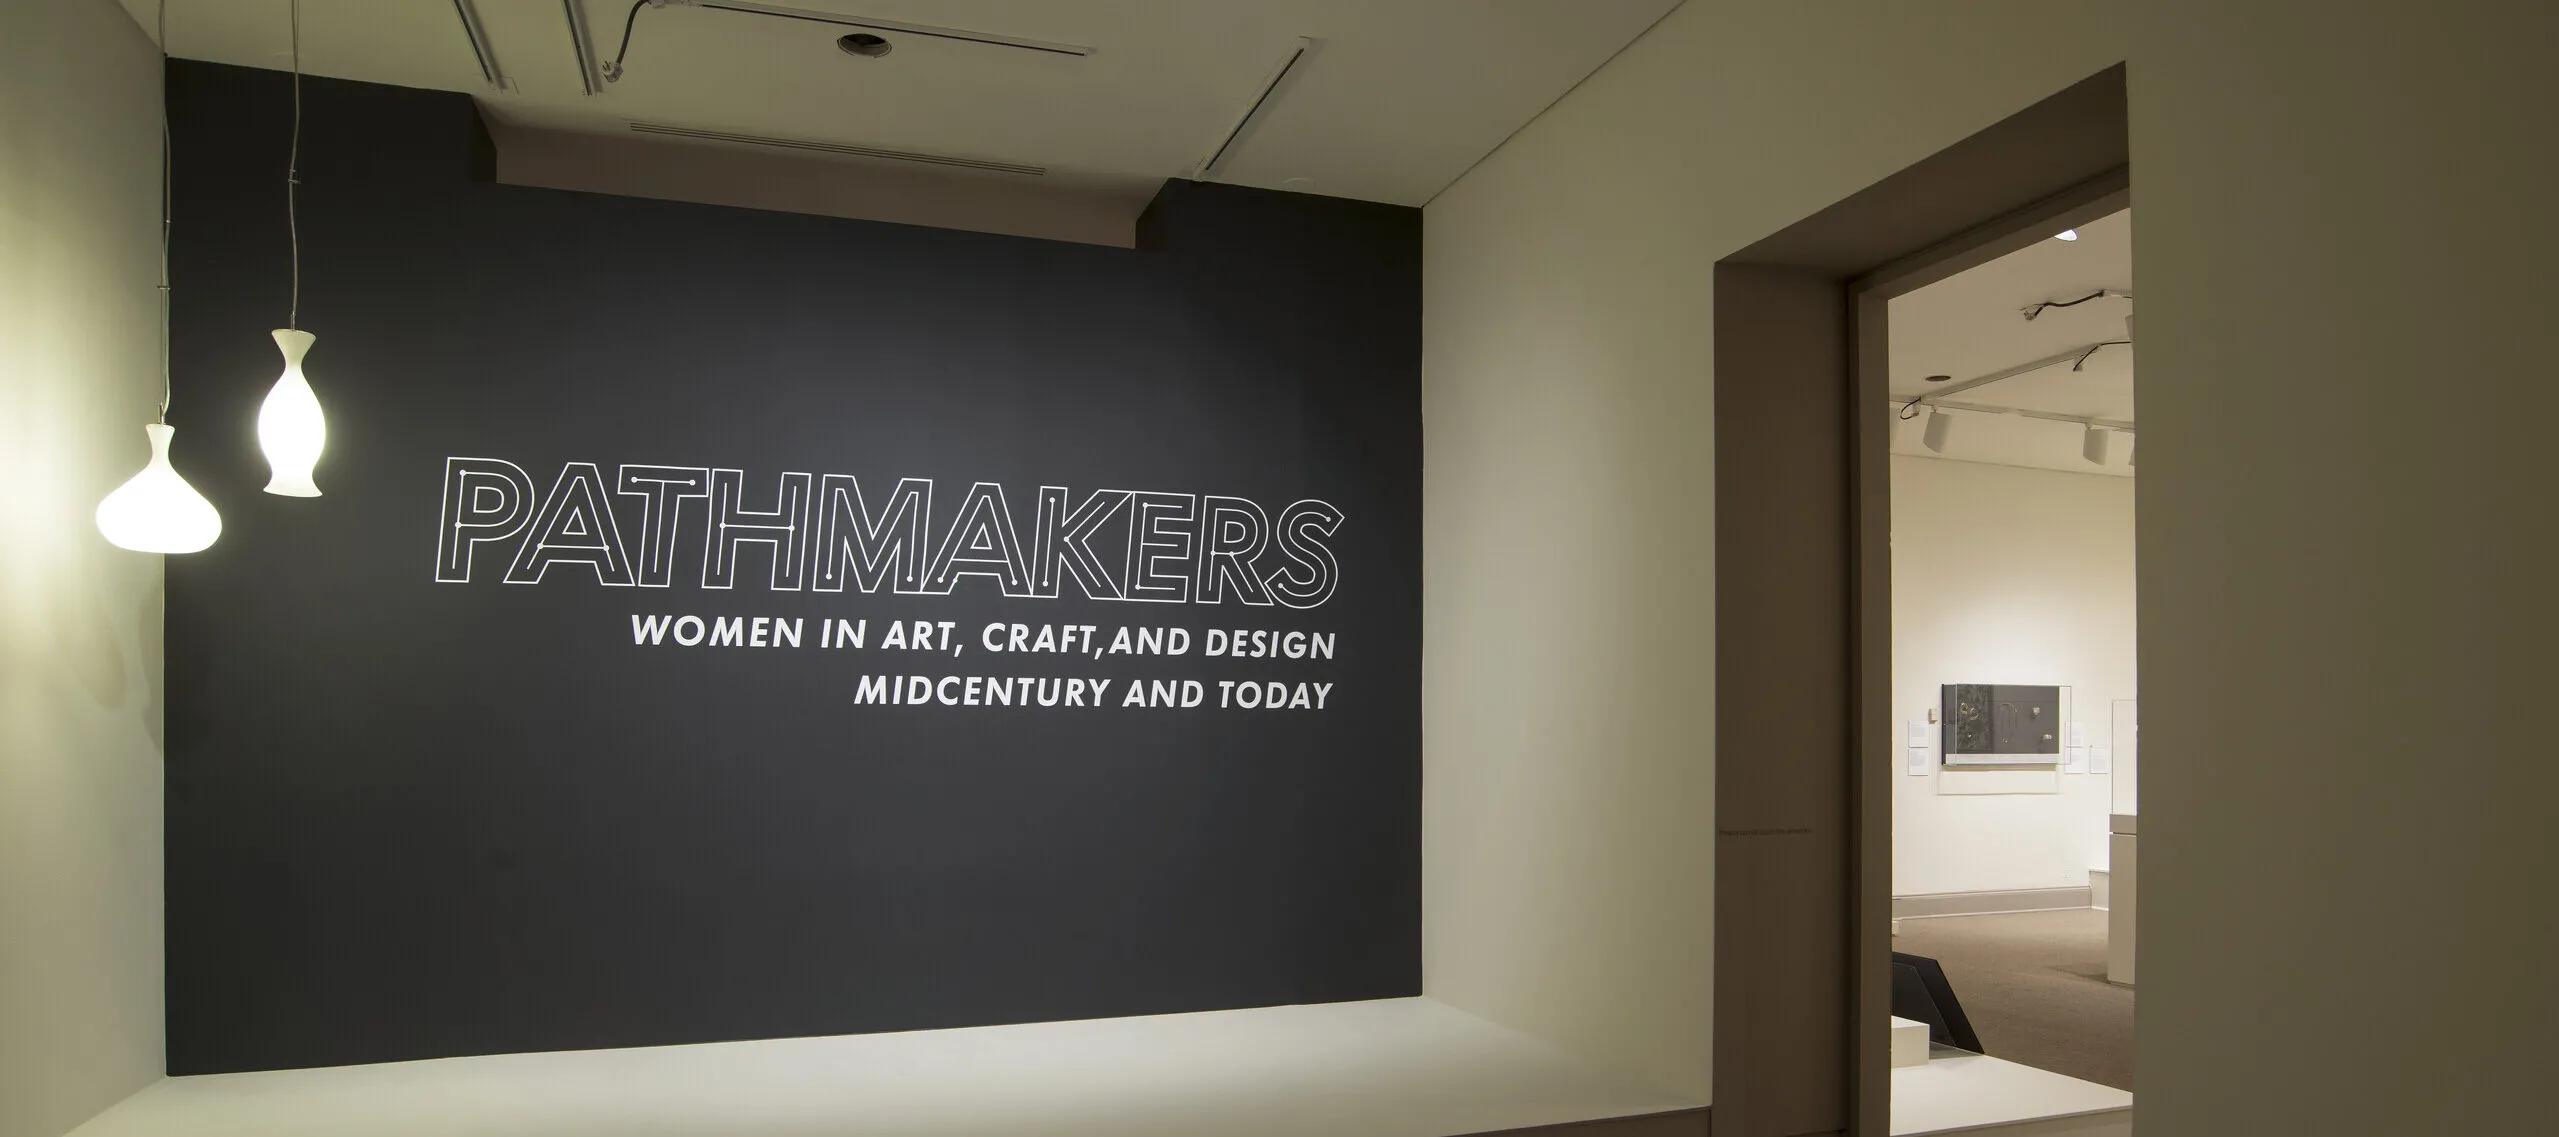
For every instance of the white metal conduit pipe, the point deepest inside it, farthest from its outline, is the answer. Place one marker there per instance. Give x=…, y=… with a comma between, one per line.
x=2096, y=432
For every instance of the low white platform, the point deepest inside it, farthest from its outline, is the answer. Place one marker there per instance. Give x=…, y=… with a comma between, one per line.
x=1972, y=1093
x=1390, y=1068
x=1910, y=1042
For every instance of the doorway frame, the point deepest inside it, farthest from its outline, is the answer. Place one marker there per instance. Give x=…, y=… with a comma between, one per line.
x=1804, y=739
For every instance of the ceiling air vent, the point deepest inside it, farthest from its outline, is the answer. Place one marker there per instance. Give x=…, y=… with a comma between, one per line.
x=845, y=148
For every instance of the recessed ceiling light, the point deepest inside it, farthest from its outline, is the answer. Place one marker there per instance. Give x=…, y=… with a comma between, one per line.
x=2064, y=235
x=1936, y=378
x=863, y=44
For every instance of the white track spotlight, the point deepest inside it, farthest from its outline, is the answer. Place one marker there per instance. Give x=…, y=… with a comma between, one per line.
x=2092, y=444
x=1940, y=424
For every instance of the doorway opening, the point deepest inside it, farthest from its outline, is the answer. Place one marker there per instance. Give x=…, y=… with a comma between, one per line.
x=2014, y=668
x=1811, y=732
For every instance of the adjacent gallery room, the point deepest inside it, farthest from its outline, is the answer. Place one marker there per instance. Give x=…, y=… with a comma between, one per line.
x=2014, y=665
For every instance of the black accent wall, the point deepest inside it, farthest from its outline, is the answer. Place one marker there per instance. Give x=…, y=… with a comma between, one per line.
x=412, y=817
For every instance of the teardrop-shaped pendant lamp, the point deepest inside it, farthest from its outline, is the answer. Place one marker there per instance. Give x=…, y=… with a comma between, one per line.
x=290, y=428
x=156, y=511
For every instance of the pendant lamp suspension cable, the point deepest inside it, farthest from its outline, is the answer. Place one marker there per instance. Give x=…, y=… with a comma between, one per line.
x=293, y=178
x=166, y=184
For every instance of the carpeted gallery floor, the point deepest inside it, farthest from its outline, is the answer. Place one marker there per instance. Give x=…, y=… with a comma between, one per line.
x=2034, y=985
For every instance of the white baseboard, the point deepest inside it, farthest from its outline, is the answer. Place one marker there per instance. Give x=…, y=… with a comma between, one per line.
x=1927, y=905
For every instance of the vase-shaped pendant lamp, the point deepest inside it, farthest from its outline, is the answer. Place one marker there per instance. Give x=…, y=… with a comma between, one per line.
x=290, y=429
x=156, y=511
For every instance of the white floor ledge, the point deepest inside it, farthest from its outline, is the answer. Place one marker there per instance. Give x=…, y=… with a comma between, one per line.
x=1390, y=1068
x=1978, y=1094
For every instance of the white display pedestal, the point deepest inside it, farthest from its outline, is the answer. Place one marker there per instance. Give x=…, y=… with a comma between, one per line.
x=2122, y=890
x=1910, y=1042
x=1973, y=1093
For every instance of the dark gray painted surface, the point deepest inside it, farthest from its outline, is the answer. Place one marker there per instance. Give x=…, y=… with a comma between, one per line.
x=409, y=819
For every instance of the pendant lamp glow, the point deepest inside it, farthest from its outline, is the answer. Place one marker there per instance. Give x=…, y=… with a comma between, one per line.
x=290, y=428
x=156, y=511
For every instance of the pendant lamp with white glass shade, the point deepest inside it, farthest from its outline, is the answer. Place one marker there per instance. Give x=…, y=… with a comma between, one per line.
x=291, y=430
x=156, y=511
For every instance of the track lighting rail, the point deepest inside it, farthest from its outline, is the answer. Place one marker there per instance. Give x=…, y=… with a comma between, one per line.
x=2076, y=357
x=2121, y=426
x=478, y=33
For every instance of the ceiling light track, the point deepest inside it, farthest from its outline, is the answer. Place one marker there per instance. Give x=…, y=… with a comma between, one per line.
x=844, y=148
x=2077, y=357
x=478, y=34
x=590, y=69
x=1297, y=52
x=2120, y=426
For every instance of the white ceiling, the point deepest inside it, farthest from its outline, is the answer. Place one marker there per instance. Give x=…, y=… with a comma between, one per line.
x=1973, y=324
x=1397, y=98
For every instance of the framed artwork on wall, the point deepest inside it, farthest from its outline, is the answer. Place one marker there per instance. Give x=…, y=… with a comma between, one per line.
x=2001, y=724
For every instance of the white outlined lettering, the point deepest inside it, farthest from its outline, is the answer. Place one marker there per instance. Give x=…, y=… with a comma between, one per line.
x=485, y=499
x=574, y=527
x=823, y=532
x=784, y=529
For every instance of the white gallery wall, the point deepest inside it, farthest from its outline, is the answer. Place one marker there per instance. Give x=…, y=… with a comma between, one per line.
x=2346, y=599
x=1568, y=620
x=2343, y=205
x=2005, y=574
x=79, y=619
